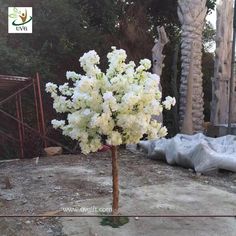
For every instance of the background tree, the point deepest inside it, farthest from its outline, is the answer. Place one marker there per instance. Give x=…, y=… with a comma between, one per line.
x=64, y=29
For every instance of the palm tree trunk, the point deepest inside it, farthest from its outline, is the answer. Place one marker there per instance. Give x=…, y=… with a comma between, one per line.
x=192, y=15
x=222, y=73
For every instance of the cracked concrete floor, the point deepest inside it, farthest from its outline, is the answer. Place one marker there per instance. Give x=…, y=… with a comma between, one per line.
x=147, y=187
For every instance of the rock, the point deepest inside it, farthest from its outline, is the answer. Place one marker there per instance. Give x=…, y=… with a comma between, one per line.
x=8, y=184
x=9, y=197
x=38, y=222
x=24, y=202
x=36, y=160
x=49, y=231
x=132, y=148
x=101, y=172
x=53, y=151
x=57, y=188
x=136, y=218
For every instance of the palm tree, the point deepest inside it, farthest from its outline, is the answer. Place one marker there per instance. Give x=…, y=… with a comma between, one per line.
x=222, y=73
x=192, y=15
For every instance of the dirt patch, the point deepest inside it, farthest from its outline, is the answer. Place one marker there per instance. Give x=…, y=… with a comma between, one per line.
x=69, y=180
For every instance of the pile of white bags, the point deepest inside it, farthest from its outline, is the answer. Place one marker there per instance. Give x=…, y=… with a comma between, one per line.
x=201, y=153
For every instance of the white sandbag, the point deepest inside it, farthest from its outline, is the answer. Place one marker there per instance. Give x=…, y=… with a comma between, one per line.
x=201, y=153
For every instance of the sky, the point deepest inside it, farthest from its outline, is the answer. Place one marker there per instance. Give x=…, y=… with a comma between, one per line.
x=212, y=18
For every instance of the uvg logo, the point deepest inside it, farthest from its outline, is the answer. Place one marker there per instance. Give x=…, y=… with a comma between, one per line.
x=19, y=19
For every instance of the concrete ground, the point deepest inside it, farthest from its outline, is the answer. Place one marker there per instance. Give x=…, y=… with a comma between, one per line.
x=174, y=198
x=147, y=188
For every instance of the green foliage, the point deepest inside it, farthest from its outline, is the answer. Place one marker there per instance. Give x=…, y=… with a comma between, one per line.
x=208, y=70
x=211, y=5
x=209, y=34
x=64, y=29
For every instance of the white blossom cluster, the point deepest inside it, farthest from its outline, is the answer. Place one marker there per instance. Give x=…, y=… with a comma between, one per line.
x=116, y=106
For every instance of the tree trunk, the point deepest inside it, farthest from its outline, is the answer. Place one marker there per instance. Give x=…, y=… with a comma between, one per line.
x=187, y=127
x=174, y=76
x=222, y=73
x=192, y=15
x=158, y=58
x=115, y=180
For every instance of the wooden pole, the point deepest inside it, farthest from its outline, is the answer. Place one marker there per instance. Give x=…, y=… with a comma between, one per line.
x=21, y=115
x=115, y=180
x=41, y=108
x=19, y=128
x=36, y=104
x=36, y=131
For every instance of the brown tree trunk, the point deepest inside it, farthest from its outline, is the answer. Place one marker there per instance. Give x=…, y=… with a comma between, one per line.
x=115, y=180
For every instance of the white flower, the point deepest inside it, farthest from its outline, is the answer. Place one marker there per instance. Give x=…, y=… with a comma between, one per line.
x=162, y=132
x=86, y=112
x=72, y=75
x=89, y=61
x=114, y=138
x=115, y=107
x=89, y=57
x=61, y=104
x=146, y=63
x=107, y=96
x=169, y=101
x=66, y=90
x=154, y=77
x=51, y=88
x=58, y=123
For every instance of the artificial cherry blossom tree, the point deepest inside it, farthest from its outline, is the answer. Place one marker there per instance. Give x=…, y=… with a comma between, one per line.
x=115, y=106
